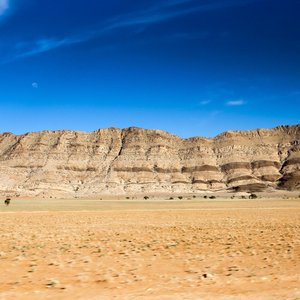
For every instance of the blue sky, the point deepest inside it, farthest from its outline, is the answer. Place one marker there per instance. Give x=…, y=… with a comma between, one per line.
x=189, y=67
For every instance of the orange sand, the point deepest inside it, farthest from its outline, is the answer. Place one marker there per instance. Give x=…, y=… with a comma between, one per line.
x=195, y=250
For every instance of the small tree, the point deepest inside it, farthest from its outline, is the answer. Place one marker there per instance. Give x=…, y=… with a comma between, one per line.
x=7, y=201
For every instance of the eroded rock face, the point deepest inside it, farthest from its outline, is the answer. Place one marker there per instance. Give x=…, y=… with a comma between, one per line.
x=134, y=160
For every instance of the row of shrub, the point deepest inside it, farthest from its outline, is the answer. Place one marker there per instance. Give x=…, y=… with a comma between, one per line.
x=251, y=196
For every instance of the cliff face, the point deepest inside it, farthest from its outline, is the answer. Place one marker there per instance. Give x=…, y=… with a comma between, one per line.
x=134, y=160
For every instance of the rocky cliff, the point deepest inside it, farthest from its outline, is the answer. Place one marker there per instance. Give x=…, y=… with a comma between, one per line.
x=135, y=160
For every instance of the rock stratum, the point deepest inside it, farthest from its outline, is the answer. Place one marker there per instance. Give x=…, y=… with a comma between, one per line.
x=136, y=161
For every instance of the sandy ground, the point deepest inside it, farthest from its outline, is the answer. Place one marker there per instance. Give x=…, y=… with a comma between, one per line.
x=88, y=249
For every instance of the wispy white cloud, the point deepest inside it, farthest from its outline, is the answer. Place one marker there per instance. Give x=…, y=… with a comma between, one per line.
x=154, y=14
x=3, y=6
x=35, y=85
x=205, y=102
x=34, y=47
x=236, y=102
x=161, y=13
x=44, y=45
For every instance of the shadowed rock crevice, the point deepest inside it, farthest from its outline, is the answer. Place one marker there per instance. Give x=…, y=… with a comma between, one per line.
x=132, y=169
x=292, y=161
x=200, y=169
x=253, y=187
x=265, y=163
x=240, y=178
x=235, y=165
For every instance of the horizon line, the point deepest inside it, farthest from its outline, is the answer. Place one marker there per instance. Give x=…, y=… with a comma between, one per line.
x=151, y=129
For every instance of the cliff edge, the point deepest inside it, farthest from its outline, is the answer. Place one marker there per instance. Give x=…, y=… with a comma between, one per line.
x=135, y=160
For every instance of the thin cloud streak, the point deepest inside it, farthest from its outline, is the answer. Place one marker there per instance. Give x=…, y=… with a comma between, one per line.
x=3, y=6
x=156, y=15
x=236, y=103
x=205, y=102
x=46, y=44
x=149, y=16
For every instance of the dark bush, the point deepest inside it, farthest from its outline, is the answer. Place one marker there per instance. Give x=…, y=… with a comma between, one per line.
x=253, y=196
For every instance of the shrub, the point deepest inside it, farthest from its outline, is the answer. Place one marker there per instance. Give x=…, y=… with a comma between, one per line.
x=212, y=197
x=146, y=197
x=180, y=197
x=171, y=198
x=253, y=196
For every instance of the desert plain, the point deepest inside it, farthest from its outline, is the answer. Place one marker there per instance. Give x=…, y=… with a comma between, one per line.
x=192, y=248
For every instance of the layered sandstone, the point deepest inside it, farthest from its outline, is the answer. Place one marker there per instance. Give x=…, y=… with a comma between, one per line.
x=135, y=160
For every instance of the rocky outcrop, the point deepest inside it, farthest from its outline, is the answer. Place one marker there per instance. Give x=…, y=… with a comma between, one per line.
x=135, y=160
